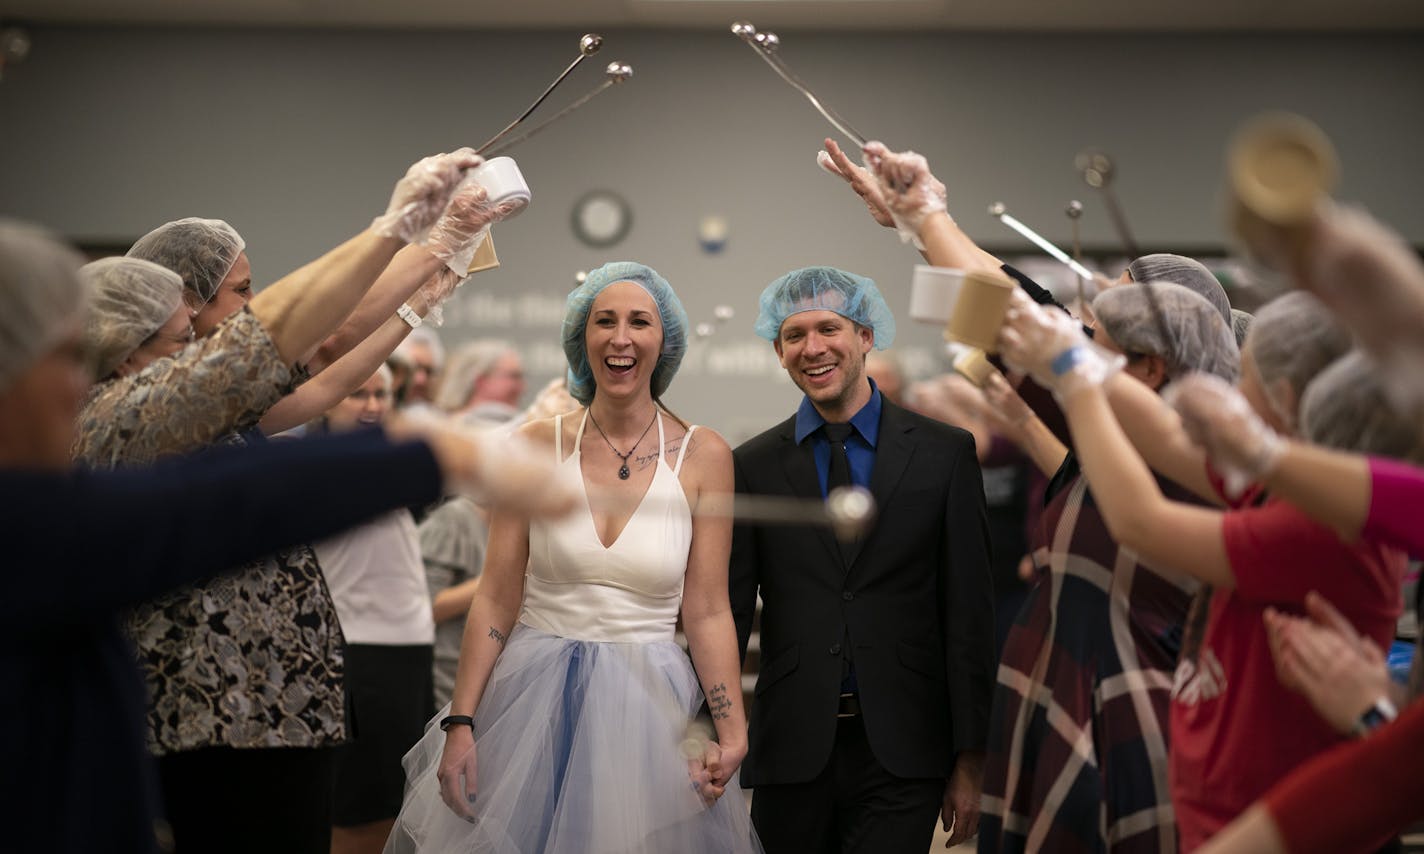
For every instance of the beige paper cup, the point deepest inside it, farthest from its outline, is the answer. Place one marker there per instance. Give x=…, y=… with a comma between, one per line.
x=979, y=311
x=1281, y=167
x=933, y=291
x=974, y=366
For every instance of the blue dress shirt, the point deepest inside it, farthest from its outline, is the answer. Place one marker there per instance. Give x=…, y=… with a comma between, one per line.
x=860, y=445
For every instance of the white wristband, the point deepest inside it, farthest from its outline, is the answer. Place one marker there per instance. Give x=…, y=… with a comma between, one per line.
x=406, y=313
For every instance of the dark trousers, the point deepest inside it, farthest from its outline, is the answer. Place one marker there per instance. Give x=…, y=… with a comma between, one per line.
x=276, y=801
x=853, y=806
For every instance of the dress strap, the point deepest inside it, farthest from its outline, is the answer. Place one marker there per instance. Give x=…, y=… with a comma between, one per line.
x=578, y=440
x=682, y=452
x=559, y=438
x=662, y=441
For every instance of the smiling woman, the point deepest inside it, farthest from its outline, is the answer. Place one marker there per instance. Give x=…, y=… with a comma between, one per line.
x=569, y=671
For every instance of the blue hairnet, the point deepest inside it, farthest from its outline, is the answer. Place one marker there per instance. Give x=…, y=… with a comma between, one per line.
x=580, y=303
x=825, y=288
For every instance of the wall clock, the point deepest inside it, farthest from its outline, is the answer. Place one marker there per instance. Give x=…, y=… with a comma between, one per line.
x=601, y=218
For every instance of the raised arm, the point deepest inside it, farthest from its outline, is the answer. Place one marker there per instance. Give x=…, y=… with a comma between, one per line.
x=452, y=241
x=1180, y=537
x=327, y=388
x=302, y=308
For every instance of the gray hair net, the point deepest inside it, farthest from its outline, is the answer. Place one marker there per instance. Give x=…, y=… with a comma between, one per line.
x=826, y=289
x=466, y=366
x=1240, y=325
x=129, y=300
x=1293, y=338
x=1197, y=338
x=40, y=296
x=1345, y=407
x=580, y=303
x=201, y=251
x=1184, y=271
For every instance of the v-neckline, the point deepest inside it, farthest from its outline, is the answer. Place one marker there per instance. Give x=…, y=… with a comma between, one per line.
x=593, y=522
x=577, y=455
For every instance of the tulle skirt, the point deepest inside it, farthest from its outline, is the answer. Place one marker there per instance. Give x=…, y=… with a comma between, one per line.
x=577, y=752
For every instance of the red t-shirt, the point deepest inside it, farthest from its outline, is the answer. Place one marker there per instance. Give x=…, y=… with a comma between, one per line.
x=1235, y=729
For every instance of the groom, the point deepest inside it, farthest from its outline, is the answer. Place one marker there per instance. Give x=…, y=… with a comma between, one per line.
x=877, y=654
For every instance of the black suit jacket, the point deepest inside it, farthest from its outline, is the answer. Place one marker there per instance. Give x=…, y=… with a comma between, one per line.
x=915, y=602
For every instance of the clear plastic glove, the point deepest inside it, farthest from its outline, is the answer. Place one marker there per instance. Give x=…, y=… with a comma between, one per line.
x=1327, y=661
x=860, y=179
x=457, y=235
x=1215, y=415
x=501, y=471
x=421, y=196
x=434, y=291
x=1049, y=345
x=910, y=191
x=457, y=772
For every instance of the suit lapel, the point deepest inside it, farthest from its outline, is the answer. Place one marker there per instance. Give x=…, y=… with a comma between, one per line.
x=805, y=482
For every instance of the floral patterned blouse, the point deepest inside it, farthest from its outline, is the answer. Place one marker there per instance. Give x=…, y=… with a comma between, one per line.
x=248, y=659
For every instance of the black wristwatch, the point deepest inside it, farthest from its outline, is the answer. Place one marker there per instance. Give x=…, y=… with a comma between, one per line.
x=1376, y=716
x=456, y=720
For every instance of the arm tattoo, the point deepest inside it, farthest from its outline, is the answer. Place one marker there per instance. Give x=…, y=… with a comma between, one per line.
x=719, y=703
x=497, y=635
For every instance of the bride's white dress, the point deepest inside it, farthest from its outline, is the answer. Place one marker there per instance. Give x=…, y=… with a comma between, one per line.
x=578, y=732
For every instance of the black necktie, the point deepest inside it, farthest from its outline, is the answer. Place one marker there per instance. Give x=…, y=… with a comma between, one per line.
x=839, y=474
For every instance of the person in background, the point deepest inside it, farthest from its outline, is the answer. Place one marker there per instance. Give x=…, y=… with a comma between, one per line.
x=415, y=368
x=482, y=383
x=97, y=543
x=377, y=581
x=888, y=372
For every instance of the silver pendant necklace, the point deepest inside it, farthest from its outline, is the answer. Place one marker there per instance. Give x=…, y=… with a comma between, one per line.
x=623, y=469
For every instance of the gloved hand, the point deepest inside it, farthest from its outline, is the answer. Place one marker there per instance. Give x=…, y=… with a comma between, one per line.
x=421, y=196
x=1241, y=447
x=1050, y=346
x=861, y=180
x=910, y=191
x=457, y=235
x=433, y=292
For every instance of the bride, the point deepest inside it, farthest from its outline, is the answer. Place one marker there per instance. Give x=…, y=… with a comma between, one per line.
x=569, y=726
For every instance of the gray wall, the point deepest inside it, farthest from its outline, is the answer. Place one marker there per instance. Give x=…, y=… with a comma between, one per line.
x=296, y=137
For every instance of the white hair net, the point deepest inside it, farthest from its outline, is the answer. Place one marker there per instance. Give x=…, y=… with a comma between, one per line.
x=470, y=362
x=129, y=300
x=1293, y=338
x=1345, y=407
x=201, y=251
x=1181, y=270
x=40, y=296
x=1240, y=325
x=1197, y=338
x=580, y=303
x=826, y=289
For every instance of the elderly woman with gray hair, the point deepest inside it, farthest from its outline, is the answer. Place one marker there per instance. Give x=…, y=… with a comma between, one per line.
x=482, y=383
x=85, y=546
x=245, y=671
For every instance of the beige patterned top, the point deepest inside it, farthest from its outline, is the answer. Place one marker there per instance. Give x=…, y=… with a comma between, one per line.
x=252, y=658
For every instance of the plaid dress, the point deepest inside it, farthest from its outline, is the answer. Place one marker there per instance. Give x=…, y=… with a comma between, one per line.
x=1077, y=752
